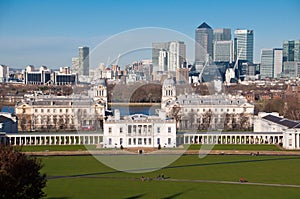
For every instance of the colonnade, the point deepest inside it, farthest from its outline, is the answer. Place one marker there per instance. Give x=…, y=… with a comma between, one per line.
x=232, y=138
x=51, y=139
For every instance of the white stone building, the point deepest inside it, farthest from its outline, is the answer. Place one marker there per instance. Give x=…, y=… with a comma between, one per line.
x=272, y=123
x=193, y=111
x=48, y=112
x=139, y=131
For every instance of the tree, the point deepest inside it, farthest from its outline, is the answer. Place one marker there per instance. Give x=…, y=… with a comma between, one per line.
x=20, y=175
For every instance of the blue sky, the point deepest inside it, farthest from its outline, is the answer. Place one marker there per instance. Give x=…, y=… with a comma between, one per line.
x=49, y=32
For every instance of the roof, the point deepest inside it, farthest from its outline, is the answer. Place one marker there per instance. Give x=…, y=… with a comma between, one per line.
x=204, y=25
x=282, y=121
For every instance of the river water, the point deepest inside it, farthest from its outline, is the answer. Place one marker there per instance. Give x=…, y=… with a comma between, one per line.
x=136, y=109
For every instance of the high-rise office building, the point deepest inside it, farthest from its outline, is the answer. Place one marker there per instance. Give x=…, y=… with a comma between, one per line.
x=222, y=34
x=75, y=64
x=83, y=62
x=266, y=66
x=163, y=60
x=204, y=44
x=291, y=69
x=271, y=63
x=167, y=56
x=277, y=64
x=243, y=45
x=291, y=51
x=223, y=51
x=176, y=55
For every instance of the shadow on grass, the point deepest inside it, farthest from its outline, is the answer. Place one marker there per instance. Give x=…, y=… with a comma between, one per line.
x=172, y=167
x=176, y=194
x=58, y=198
x=136, y=196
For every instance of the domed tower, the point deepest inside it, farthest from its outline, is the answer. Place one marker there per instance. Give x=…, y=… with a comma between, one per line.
x=100, y=92
x=168, y=92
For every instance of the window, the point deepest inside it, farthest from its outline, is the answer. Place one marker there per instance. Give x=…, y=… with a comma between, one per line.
x=121, y=130
x=67, y=110
x=48, y=110
x=134, y=141
x=134, y=129
x=158, y=129
x=60, y=110
x=109, y=141
x=35, y=110
x=204, y=110
x=54, y=110
x=149, y=141
x=129, y=141
x=169, y=129
x=145, y=141
x=42, y=110
x=109, y=129
x=121, y=141
x=158, y=140
x=169, y=141
x=129, y=129
x=233, y=110
x=221, y=110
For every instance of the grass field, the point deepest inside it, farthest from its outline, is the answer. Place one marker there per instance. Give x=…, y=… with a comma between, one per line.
x=266, y=147
x=85, y=177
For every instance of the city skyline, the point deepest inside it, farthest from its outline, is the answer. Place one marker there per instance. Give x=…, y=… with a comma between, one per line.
x=42, y=33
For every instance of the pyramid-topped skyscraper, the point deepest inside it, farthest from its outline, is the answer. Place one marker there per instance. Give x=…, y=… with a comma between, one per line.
x=203, y=44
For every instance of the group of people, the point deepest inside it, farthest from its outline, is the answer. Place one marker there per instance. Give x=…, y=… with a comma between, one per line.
x=159, y=177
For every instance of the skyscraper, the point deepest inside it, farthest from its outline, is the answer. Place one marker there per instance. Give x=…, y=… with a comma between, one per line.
x=291, y=51
x=243, y=44
x=75, y=64
x=266, y=66
x=222, y=34
x=204, y=44
x=83, y=61
x=271, y=63
x=223, y=51
x=167, y=56
x=277, y=65
x=176, y=55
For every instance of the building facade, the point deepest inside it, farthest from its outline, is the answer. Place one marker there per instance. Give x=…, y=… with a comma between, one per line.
x=8, y=123
x=4, y=73
x=223, y=51
x=41, y=76
x=139, y=131
x=167, y=56
x=222, y=34
x=271, y=63
x=197, y=112
x=291, y=50
x=204, y=44
x=291, y=69
x=83, y=61
x=56, y=113
x=243, y=45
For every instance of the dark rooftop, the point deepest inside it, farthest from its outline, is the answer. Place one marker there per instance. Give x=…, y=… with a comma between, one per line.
x=204, y=25
x=282, y=121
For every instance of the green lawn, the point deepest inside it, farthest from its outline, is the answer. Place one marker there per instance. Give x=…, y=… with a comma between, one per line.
x=258, y=147
x=55, y=148
x=266, y=147
x=100, y=181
